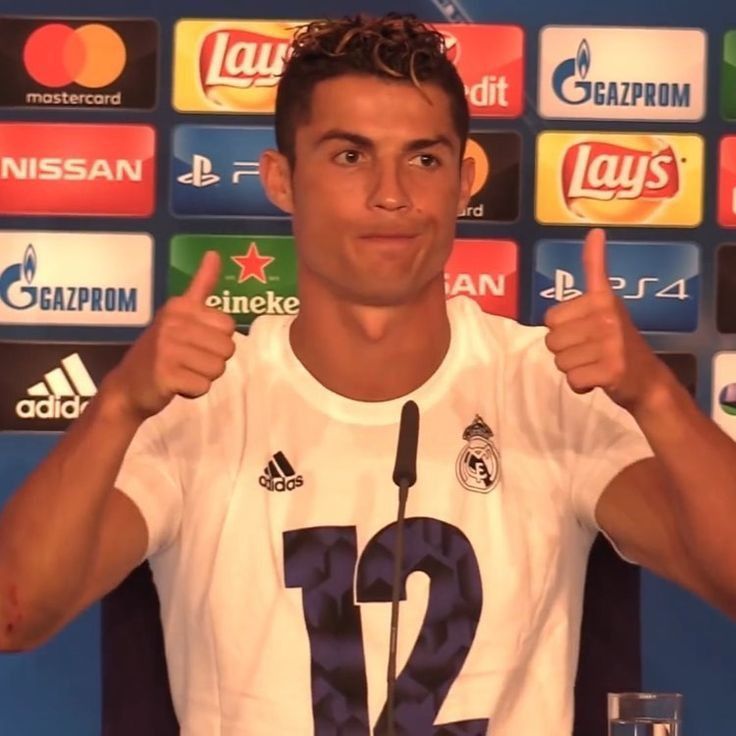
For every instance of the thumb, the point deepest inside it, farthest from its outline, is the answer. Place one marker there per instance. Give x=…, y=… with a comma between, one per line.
x=206, y=278
x=594, y=262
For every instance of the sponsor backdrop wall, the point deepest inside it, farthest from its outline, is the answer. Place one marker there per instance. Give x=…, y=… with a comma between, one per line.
x=129, y=142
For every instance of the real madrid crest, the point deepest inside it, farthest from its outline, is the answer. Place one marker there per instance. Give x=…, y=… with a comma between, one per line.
x=478, y=465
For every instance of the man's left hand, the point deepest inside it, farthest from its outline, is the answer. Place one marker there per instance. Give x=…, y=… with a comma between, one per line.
x=596, y=344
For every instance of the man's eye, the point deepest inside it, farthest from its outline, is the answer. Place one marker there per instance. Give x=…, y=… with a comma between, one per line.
x=348, y=157
x=425, y=160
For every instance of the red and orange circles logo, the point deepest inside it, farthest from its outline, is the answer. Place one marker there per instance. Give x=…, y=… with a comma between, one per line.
x=56, y=55
x=474, y=150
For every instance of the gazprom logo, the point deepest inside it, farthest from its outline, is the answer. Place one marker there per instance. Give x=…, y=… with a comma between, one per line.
x=576, y=68
x=18, y=273
x=571, y=85
x=18, y=292
x=29, y=264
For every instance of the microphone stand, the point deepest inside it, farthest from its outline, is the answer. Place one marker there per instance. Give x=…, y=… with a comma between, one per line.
x=404, y=476
x=394, y=636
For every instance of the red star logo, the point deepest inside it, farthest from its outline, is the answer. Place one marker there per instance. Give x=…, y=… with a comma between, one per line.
x=252, y=264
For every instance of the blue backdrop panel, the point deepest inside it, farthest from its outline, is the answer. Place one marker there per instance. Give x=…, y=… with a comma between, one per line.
x=685, y=645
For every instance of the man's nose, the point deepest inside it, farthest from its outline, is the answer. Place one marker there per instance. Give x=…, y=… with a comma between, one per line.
x=388, y=190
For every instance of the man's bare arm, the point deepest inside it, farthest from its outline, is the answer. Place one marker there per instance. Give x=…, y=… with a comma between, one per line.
x=676, y=513
x=67, y=535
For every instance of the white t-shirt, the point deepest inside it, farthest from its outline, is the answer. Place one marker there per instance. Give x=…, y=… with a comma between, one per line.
x=271, y=514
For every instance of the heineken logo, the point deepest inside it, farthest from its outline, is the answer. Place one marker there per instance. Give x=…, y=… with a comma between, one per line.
x=267, y=303
x=258, y=275
x=252, y=265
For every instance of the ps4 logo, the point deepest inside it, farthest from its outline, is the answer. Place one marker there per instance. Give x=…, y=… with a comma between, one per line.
x=216, y=172
x=202, y=174
x=564, y=288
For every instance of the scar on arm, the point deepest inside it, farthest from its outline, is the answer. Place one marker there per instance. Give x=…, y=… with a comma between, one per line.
x=13, y=616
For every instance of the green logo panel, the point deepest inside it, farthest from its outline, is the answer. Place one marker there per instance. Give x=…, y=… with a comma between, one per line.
x=258, y=273
x=728, y=77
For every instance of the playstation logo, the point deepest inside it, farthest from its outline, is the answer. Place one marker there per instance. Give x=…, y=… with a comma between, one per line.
x=248, y=168
x=563, y=289
x=216, y=172
x=201, y=174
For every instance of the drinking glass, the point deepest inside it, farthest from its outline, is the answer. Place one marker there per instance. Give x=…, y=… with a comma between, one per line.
x=644, y=714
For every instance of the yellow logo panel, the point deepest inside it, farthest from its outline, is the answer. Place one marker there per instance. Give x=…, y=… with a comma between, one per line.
x=643, y=179
x=229, y=66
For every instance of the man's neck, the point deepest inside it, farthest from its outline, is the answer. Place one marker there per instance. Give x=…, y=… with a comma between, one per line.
x=372, y=353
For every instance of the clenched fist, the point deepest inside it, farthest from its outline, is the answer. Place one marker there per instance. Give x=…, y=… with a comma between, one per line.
x=596, y=344
x=182, y=352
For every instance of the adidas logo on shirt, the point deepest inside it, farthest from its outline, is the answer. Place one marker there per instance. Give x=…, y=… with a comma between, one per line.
x=279, y=475
x=61, y=394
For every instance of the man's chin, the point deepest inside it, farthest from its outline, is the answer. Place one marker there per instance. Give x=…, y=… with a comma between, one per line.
x=387, y=297
x=360, y=289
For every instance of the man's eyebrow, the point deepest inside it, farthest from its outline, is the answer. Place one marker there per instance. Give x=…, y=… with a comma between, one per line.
x=336, y=134
x=420, y=143
x=361, y=141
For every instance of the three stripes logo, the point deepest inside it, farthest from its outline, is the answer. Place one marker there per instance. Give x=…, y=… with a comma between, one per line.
x=279, y=475
x=63, y=393
x=44, y=387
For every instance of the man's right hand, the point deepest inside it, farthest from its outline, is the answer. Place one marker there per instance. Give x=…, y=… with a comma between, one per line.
x=68, y=536
x=182, y=352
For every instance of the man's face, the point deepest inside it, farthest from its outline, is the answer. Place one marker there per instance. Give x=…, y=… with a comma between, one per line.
x=376, y=189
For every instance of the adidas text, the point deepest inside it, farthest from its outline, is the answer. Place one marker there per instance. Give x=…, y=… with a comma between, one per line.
x=51, y=407
x=281, y=484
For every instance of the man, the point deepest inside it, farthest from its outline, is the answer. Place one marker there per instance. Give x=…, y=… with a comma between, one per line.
x=266, y=506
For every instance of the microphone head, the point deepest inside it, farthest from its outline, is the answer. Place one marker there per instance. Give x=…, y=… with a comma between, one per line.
x=405, y=468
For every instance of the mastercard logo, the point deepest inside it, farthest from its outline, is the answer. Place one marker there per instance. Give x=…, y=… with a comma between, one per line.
x=56, y=55
x=474, y=150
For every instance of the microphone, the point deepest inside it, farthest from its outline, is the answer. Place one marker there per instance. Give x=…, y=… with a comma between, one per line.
x=405, y=468
x=405, y=476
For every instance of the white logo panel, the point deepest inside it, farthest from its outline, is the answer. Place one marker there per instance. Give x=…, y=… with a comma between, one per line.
x=616, y=73
x=723, y=404
x=76, y=278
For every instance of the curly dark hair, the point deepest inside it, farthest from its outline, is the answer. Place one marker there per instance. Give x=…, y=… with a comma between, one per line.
x=395, y=47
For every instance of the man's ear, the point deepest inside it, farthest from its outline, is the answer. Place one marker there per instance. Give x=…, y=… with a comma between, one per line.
x=276, y=179
x=467, y=177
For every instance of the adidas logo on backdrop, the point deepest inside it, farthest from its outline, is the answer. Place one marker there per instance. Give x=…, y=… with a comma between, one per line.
x=279, y=475
x=63, y=394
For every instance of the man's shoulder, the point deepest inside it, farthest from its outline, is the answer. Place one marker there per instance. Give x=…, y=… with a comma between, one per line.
x=496, y=332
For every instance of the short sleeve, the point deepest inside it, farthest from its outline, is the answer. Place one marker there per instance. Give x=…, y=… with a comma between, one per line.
x=603, y=439
x=150, y=478
x=583, y=441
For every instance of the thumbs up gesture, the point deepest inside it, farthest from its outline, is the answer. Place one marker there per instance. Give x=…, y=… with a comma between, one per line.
x=594, y=341
x=183, y=351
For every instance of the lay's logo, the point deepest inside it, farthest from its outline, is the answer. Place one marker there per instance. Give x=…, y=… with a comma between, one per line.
x=241, y=59
x=619, y=179
x=229, y=66
x=605, y=171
